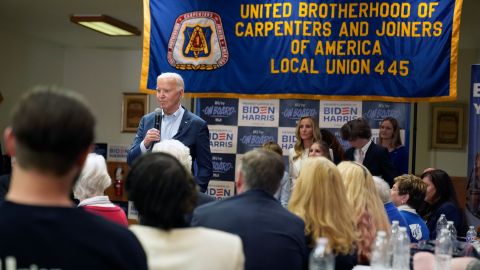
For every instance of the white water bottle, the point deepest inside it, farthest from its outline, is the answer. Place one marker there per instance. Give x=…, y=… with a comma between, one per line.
x=441, y=223
x=321, y=258
x=380, y=259
x=453, y=234
x=471, y=234
x=393, y=239
x=401, y=251
x=443, y=250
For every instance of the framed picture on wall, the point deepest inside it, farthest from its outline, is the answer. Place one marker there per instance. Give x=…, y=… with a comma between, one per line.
x=134, y=106
x=447, y=126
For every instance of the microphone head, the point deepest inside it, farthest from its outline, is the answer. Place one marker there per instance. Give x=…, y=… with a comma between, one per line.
x=158, y=110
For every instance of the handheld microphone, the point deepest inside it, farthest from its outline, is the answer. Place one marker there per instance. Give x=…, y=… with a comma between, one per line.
x=158, y=118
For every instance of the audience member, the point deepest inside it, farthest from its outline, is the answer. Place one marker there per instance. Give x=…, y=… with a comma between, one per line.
x=50, y=135
x=182, y=153
x=331, y=140
x=273, y=238
x=364, y=151
x=368, y=209
x=306, y=132
x=285, y=189
x=90, y=190
x=389, y=137
x=392, y=212
x=320, y=149
x=319, y=198
x=441, y=199
x=163, y=192
x=408, y=194
x=175, y=123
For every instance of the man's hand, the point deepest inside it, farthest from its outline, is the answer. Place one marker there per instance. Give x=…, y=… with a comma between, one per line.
x=153, y=135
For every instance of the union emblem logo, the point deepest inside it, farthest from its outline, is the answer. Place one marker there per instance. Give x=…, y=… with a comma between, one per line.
x=197, y=42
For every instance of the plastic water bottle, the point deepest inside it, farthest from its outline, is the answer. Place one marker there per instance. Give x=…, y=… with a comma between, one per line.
x=441, y=223
x=471, y=234
x=321, y=258
x=401, y=251
x=380, y=259
x=453, y=234
x=443, y=250
x=393, y=239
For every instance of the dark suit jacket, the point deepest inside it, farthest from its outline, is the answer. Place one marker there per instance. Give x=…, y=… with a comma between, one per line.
x=193, y=132
x=272, y=237
x=377, y=162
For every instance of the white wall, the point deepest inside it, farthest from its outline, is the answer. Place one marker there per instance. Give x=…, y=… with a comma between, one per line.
x=102, y=76
x=26, y=62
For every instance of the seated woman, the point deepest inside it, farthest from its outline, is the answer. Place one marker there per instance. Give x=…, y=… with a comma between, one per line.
x=408, y=194
x=163, y=192
x=319, y=198
x=441, y=199
x=90, y=188
x=384, y=192
x=320, y=149
x=369, y=212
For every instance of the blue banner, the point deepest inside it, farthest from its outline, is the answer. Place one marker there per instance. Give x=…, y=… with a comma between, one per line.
x=473, y=185
x=333, y=49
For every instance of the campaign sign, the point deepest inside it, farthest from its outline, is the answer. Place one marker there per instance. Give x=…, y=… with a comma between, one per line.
x=223, y=139
x=333, y=114
x=218, y=111
x=263, y=113
x=221, y=189
x=223, y=166
x=118, y=152
x=337, y=134
x=291, y=110
x=286, y=138
x=253, y=137
x=375, y=112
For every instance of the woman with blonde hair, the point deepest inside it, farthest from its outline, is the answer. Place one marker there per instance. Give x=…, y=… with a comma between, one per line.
x=319, y=198
x=369, y=212
x=307, y=132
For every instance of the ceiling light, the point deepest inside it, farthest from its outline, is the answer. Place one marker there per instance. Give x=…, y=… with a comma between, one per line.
x=105, y=25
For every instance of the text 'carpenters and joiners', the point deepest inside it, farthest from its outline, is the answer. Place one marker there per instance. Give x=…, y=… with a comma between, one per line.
x=352, y=47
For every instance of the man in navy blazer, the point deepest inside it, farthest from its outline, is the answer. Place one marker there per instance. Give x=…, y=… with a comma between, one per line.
x=273, y=238
x=364, y=151
x=175, y=123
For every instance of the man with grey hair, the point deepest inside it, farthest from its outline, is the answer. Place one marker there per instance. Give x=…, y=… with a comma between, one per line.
x=175, y=122
x=383, y=190
x=273, y=238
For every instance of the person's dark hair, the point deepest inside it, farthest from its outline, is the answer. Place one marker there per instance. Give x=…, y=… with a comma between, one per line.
x=444, y=187
x=262, y=169
x=52, y=128
x=414, y=187
x=273, y=146
x=331, y=140
x=396, y=139
x=162, y=190
x=355, y=129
